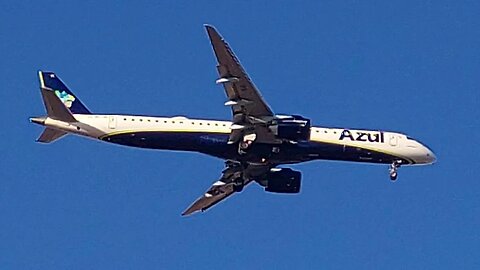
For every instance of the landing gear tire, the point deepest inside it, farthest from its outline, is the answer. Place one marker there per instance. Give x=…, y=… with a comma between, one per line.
x=246, y=143
x=243, y=147
x=394, y=169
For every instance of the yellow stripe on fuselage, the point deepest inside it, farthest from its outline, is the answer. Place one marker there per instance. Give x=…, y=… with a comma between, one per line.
x=219, y=131
x=164, y=131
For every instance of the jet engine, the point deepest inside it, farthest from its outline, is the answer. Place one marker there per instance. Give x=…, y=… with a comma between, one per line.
x=291, y=127
x=282, y=180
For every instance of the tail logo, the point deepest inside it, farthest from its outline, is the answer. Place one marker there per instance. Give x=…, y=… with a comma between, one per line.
x=66, y=98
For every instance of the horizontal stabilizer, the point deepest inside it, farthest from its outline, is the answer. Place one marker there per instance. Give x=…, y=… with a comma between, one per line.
x=49, y=135
x=55, y=107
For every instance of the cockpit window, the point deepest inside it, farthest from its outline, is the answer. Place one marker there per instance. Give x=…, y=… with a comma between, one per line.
x=410, y=138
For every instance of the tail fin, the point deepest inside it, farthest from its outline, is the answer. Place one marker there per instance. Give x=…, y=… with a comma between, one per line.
x=60, y=104
x=50, y=81
x=55, y=110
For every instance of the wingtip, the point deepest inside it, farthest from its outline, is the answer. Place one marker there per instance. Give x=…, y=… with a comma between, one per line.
x=191, y=210
x=187, y=213
x=211, y=29
x=207, y=25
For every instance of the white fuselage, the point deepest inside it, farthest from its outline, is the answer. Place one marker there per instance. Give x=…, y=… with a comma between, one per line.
x=389, y=143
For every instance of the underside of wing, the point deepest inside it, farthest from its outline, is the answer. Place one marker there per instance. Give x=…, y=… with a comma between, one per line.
x=215, y=194
x=238, y=86
x=250, y=111
x=234, y=177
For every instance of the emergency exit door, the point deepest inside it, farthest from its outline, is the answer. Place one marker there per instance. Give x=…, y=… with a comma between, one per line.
x=112, y=122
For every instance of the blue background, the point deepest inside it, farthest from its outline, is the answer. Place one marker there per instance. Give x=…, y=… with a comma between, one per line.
x=411, y=66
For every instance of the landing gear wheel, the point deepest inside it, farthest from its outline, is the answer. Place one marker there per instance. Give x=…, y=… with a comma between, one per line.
x=243, y=147
x=393, y=170
x=246, y=143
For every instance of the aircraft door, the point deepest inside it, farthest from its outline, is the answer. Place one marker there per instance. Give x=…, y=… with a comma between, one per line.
x=393, y=139
x=112, y=122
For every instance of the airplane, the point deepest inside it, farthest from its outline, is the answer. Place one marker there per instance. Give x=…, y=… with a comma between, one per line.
x=254, y=143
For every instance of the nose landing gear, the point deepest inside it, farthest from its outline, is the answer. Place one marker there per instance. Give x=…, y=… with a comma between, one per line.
x=393, y=170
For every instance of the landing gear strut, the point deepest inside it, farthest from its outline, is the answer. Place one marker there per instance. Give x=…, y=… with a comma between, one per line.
x=393, y=170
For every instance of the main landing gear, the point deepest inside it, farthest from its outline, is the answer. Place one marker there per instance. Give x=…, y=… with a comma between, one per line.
x=393, y=170
x=245, y=144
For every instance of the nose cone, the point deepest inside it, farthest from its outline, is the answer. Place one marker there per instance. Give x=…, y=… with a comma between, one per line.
x=420, y=153
x=430, y=156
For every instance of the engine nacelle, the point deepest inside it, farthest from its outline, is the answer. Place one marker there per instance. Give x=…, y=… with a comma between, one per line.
x=291, y=127
x=282, y=180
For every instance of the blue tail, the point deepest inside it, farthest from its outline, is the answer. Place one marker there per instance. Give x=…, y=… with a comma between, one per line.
x=50, y=81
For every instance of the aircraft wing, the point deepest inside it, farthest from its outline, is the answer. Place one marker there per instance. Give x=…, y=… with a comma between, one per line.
x=225, y=186
x=249, y=109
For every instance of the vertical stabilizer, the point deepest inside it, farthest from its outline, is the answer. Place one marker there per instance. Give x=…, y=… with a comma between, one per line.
x=60, y=104
x=50, y=81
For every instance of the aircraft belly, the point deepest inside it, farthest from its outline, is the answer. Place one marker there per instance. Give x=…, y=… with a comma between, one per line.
x=208, y=143
x=331, y=151
x=215, y=144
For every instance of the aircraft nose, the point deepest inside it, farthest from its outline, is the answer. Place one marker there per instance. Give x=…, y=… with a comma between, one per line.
x=431, y=157
x=422, y=154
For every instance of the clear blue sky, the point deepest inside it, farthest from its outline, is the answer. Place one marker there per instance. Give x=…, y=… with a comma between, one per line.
x=411, y=66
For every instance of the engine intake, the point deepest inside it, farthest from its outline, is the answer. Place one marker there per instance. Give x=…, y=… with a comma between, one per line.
x=291, y=127
x=282, y=180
